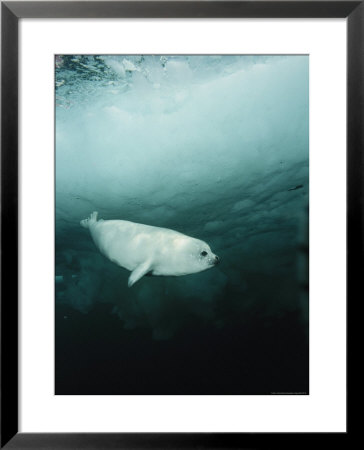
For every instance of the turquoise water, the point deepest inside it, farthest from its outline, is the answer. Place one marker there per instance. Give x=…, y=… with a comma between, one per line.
x=215, y=147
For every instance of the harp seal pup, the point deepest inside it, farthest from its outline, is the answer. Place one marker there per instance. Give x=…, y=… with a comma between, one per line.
x=147, y=250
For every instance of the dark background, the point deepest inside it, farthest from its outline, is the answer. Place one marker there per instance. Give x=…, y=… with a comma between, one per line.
x=95, y=355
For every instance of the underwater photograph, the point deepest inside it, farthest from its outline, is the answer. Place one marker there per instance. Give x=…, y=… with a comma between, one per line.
x=181, y=224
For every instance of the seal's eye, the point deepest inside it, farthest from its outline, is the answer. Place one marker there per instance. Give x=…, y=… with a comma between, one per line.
x=203, y=253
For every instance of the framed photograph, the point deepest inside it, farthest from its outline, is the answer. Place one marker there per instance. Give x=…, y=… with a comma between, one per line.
x=181, y=212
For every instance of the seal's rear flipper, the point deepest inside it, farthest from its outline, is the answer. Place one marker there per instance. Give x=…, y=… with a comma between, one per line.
x=92, y=219
x=138, y=273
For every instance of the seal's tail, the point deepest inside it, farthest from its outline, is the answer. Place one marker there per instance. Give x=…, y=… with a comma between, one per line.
x=92, y=219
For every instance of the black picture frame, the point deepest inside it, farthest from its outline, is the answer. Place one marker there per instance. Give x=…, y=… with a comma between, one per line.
x=11, y=12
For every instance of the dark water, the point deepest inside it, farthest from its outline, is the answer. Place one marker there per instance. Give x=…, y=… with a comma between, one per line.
x=215, y=147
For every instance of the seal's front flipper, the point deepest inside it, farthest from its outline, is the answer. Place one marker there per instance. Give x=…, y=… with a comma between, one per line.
x=139, y=272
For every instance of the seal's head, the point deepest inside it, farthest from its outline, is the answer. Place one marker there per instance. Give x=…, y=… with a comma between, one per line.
x=206, y=257
x=192, y=255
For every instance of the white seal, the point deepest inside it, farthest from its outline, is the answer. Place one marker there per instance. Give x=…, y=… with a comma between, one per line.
x=147, y=250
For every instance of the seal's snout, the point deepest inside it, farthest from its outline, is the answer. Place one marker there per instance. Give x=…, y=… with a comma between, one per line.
x=217, y=260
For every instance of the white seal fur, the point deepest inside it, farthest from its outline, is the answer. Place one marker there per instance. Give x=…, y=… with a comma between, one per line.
x=147, y=250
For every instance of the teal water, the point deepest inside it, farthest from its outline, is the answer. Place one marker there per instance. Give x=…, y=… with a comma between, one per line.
x=215, y=147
